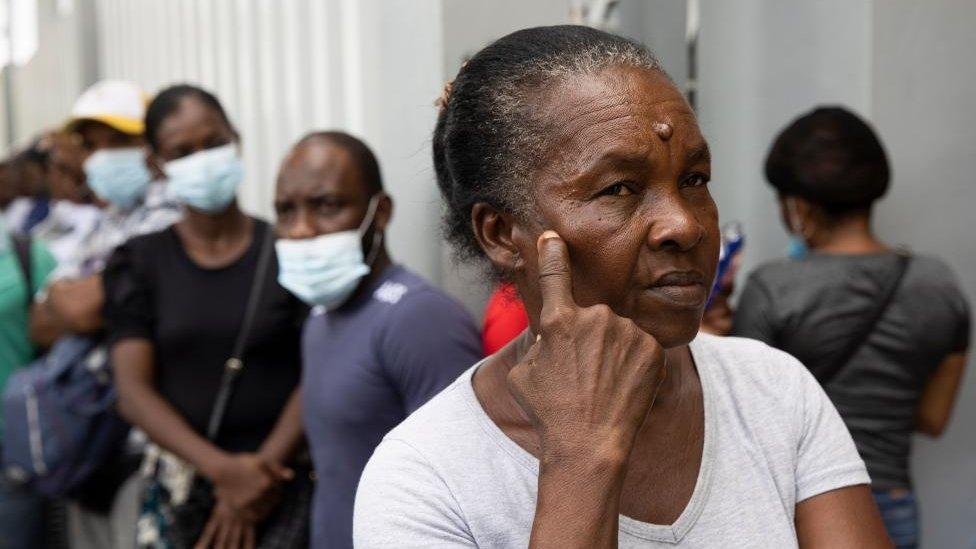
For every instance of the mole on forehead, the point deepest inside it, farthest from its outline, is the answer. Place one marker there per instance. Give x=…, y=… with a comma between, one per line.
x=662, y=130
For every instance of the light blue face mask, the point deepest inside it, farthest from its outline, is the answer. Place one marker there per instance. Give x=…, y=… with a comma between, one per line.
x=206, y=180
x=118, y=176
x=326, y=269
x=798, y=248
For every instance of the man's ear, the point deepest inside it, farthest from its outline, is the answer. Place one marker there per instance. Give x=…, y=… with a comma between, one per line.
x=495, y=232
x=384, y=212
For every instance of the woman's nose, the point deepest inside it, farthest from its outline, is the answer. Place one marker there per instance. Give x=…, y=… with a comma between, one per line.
x=674, y=225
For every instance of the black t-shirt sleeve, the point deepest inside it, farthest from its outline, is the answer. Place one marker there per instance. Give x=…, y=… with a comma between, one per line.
x=754, y=316
x=128, y=305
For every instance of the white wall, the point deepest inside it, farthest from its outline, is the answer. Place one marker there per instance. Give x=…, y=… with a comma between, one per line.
x=286, y=67
x=45, y=87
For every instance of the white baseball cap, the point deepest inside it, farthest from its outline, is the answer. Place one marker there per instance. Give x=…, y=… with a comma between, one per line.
x=116, y=103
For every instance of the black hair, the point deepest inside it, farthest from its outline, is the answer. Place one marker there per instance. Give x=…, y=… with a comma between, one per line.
x=168, y=102
x=360, y=152
x=488, y=139
x=831, y=157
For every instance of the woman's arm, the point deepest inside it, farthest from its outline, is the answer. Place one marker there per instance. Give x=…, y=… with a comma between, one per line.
x=939, y=395
x=243, y=479
x=144, y=407
x=846, y=518
x=45, y=328
x=78, y=304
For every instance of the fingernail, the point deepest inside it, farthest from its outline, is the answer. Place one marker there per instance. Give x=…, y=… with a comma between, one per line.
x=546, y=235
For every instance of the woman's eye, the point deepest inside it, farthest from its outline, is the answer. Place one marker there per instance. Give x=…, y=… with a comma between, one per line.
x=617, y=189
x=696, y=180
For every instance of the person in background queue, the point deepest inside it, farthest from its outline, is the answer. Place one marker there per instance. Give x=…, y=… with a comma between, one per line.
x=380, y=340
x=886, y=334
x=25, y=265
x=176, y=304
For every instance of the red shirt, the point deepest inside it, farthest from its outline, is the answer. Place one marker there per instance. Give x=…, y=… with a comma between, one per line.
x=505, y=319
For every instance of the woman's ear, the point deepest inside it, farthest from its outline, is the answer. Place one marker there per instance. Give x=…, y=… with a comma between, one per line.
x=495, y=232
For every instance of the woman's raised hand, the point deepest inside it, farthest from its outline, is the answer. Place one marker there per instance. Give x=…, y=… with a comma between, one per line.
x=588, y=382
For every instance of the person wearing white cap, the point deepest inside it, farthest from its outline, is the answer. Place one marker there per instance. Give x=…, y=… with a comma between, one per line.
x=107, y=123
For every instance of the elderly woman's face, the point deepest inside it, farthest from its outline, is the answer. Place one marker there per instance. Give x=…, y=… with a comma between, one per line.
x=625, y=185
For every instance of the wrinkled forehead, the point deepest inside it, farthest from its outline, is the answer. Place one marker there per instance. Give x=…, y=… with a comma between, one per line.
x=618, y=107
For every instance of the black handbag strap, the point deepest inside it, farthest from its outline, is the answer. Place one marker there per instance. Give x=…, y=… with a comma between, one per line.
x=22, y=248
x=855, y=343
x=234, y=364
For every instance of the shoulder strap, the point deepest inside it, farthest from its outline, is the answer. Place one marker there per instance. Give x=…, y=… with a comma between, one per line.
x=234, y=364
x=22, y=248
x=855, y=343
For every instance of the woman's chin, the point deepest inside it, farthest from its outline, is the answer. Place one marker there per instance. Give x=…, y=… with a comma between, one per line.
x=675, y=330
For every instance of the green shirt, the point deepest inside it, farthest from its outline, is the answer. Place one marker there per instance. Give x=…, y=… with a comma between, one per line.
x=16, y=349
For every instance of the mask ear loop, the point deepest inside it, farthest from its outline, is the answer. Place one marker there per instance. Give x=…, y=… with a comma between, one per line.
x=374, y=249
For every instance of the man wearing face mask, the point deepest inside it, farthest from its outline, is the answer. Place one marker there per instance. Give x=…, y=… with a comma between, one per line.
x=380, y=341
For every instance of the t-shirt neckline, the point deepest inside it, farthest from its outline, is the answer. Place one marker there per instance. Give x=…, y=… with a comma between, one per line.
x=667, y=533
x=258, y=228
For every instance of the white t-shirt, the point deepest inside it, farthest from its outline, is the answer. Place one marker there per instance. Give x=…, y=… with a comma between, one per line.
x=449, y=477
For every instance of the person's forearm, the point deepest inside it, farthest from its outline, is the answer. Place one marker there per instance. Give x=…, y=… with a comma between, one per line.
x=578, y=503
x=287, y=434
x=82, y=317
x=145, y=408
x=45, y=328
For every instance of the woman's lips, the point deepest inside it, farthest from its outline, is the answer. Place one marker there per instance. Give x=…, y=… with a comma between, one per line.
x=685, y=289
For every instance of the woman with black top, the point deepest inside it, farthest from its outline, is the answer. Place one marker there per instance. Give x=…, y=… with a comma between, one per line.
x=176, y=302
x=886, y=335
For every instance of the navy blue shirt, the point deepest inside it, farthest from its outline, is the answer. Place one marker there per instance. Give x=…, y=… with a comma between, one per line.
x=367, y=366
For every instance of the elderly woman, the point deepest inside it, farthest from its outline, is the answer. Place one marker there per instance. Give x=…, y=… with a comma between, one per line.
x=570, y=160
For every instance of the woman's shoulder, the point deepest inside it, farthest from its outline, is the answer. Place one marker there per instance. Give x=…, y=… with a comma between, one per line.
x=149, y=242
x=752, y=373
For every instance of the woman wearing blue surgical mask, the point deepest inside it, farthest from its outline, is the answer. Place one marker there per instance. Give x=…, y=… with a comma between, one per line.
x=885, y=333
x=205, y=345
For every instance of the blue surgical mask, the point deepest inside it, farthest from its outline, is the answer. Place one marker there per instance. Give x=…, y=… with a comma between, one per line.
x=206, y=180
x=797, y=248
x=118, y=176
x=326, y=269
